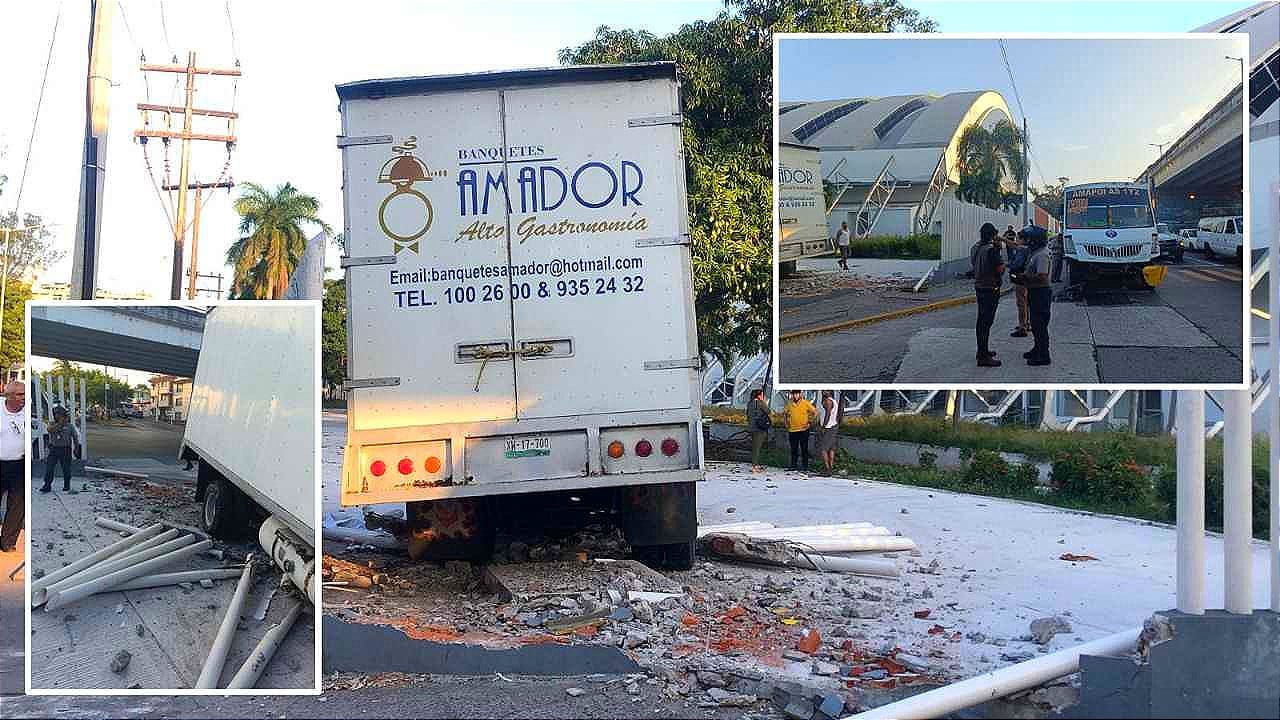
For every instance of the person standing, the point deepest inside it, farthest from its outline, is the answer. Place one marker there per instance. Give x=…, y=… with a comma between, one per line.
x=1055, y=254
x=63, y=442
x=828, y=432
x=1035, y=278
x=1017, y=253
x=13, y=451
x=801, y=415
x=988, y=260
x=760, y=422
x=842, y=244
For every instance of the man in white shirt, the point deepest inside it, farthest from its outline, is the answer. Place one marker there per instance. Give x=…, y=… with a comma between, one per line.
x=842, y=244
x=13, y=450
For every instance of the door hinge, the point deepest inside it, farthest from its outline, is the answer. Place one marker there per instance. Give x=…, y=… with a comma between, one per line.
x=681, y=239
x=367, y=260
x=355, y=384
x=676, y=119
x=349, y=140
x=693, y=362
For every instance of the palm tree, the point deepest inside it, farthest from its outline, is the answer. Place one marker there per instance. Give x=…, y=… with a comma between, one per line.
x=272, y=240
x=988, y=159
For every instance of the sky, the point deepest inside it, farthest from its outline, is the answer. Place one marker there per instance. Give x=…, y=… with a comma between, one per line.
x=1092, y=105
x=292, y=58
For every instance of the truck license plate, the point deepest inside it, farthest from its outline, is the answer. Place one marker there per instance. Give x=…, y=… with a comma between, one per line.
x=528, y=446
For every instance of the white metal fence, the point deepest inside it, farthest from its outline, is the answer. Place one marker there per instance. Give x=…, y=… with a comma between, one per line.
x=48, y=390
x=960, y=222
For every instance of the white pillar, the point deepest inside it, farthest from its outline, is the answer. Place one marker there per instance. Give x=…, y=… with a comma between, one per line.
x=1273, y=354
x=1237, y=501
x=1190, y=449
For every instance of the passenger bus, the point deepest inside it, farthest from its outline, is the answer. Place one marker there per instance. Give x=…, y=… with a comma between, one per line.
x=1109, y=228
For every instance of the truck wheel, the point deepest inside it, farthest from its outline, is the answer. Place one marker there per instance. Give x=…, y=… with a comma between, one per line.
x=675, y=556
x=457, y=529
x=221, y=513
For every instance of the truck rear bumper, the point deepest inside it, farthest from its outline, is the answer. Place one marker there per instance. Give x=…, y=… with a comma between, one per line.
x=523, y=486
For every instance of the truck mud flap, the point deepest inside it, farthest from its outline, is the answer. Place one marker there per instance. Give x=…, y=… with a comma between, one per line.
x=659, y=514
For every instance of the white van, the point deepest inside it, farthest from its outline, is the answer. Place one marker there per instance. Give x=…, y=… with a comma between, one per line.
x=1222, y=235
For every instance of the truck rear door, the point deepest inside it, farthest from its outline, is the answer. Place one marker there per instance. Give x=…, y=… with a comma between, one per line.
x=599, y=248
x=429, y=310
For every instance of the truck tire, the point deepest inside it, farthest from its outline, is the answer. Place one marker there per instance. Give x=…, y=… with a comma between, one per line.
x=660, y=522
x=457, y=529
x=222, y=512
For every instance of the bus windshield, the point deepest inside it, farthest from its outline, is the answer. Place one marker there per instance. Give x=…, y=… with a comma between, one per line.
x=1108, y=207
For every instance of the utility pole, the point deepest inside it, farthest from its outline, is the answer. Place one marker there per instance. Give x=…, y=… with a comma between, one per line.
x=84, y=263
x=1026, y=170
x=187, y=110
x=192, y=269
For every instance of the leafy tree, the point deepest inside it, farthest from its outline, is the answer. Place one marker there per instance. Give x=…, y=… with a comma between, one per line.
x=333, y=333
x=1049, y=197
x=272, y=239
x=990, y=161
x=99, y=386
x=13, y=339
x=29, y=251
x=726, y=69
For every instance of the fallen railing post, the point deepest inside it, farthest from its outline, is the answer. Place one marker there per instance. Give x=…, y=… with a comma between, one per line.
x=213, y=664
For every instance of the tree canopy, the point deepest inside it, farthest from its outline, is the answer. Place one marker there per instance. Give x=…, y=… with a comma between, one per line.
x=990, y=160
x=272, y=239
x=726, y=67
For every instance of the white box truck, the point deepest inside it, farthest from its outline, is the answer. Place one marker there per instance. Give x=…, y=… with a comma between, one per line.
x=521, y=332
x=252, y=427
x=802, y=206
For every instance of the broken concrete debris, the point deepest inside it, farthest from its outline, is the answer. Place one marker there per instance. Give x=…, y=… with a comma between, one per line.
x=120, y=662
x=1043, y=629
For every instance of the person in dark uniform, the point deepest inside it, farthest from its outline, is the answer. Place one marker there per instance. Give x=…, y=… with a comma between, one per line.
x=1035, y=278
x=988, y=260
x=63, y=441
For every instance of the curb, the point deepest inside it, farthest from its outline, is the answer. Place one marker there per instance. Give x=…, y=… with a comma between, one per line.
x=891, y=315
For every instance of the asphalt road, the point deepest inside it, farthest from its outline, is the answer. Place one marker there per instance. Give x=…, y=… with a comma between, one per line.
x=1203, y=295
x=134, y=438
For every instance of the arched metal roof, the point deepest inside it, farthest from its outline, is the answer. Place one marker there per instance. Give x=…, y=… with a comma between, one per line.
x=908, y=121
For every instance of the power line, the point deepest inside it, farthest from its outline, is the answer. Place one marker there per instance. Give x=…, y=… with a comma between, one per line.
x=1005, y=56
x=164, y=26
x=44, y=79
x=142, y=56
x=235, y=53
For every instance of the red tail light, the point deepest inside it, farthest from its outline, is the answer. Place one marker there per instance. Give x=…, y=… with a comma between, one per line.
x=378, y=468
x=670, y=447
x=432, y=464
x=644, y=448
x=405, y=467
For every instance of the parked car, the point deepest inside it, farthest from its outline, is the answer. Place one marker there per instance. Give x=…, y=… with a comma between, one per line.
x=1222, y=235
x=1171, y=246
x=1189, y=238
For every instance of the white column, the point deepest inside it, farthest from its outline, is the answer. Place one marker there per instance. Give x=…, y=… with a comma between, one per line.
x=84, y=430
x=1237, y=501
x=1273, y=354
x=1190, y=449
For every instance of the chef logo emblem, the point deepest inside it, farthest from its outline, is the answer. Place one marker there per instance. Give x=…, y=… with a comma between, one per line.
x=412, y=213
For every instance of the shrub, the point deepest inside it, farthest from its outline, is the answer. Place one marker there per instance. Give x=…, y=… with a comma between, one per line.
x=926, y=247
x=1025, y=478
x=1110, y=476
x=1167, y=488
x=986, y=470
x=928, y=460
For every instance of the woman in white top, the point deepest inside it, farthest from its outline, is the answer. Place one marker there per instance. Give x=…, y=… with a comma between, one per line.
x=828, y=432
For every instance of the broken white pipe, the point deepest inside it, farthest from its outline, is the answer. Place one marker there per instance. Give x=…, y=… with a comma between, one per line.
x=286, y=550
x=94, y=557
x=999, y=683
x=113, y=471
x=212, y=668
x=248, y=674
x=856, y=566
x=363, y=537
x=110, y=524
x=145, y=550
x=57, y=599
x=1190, y=505
x=857, y=543
x=1237, y=501
x=173, y=578
x=835, y=533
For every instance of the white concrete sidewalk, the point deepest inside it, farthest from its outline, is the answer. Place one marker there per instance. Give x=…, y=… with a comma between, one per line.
x=999, y=559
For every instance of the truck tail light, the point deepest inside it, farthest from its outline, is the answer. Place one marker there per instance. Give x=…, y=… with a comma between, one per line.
x=616, y=449
x=377, y=468
x=644, y=448
x=405, y=467
x=432, y=464
x=670, y=447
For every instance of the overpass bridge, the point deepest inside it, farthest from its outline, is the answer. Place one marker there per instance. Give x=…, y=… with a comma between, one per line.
x=158, y=339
